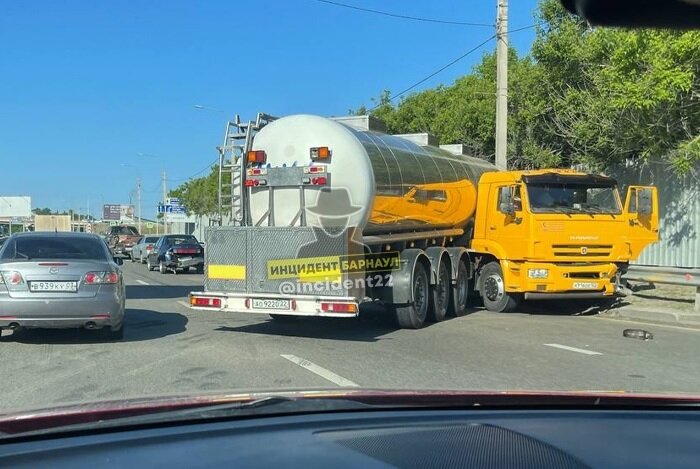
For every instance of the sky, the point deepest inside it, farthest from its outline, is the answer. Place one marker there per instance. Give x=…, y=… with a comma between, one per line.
x=95, y=94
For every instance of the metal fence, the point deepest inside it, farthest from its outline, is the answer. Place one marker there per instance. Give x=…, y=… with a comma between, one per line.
x=679, y=212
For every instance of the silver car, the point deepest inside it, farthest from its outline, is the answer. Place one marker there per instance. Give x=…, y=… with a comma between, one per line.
x=61, y=280
x=143, y=248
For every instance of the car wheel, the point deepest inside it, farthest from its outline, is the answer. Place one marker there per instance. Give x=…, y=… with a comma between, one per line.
x=161, y=268
x=148, y=265
x=493, y=290
x=133, y=259
x=200, y=269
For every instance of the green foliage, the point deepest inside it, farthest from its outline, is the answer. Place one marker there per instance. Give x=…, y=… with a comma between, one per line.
x=584, y=96
x=199, y=195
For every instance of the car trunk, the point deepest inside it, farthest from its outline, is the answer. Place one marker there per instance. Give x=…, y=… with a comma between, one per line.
x=54, y=279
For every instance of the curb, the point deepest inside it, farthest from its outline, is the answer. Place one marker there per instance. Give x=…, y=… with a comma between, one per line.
x=655, y=316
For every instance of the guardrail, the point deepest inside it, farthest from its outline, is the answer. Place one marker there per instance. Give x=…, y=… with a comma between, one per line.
x=670, y=275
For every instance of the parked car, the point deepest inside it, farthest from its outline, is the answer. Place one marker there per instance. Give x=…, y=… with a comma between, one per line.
x=122, y=238
x=174, y=253
x=141, y=249
x=61, y=280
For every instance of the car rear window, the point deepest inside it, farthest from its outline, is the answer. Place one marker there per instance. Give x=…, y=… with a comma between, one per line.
x=151, y=239
x=45, y=247
x=182, y=240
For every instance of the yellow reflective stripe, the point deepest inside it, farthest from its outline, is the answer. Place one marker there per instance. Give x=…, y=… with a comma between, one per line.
x=226, y=272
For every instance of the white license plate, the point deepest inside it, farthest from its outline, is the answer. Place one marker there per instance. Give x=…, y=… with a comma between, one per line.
x=260, y=303
x=53, y=286
x=585, y=286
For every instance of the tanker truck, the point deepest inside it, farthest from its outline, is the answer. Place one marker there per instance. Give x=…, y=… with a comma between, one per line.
x=329, y=213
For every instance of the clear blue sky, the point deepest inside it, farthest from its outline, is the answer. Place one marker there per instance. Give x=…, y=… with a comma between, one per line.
x=87, y=86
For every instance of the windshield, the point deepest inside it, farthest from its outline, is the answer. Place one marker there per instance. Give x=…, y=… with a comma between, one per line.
x=343, y=195
x=566, y=198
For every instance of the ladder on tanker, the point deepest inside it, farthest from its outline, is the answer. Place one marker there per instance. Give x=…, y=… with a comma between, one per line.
x=238, y=141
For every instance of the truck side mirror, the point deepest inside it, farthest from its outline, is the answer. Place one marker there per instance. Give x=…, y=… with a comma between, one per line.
x=508, y=208
x=644, y=202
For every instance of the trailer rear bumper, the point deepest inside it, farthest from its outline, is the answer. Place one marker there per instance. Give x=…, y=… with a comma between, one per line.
x=266, y=303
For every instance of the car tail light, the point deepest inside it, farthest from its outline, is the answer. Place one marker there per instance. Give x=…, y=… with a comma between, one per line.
x=256, y=156
x=149, y=247
x=11, y=277
x=101, y=278
x=320, y=153
x=205, y=301
x=339, y=307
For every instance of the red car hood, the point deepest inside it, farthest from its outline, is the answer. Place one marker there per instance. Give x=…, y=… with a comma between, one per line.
x=106, y=410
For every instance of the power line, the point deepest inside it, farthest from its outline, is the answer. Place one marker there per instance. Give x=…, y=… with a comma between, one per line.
x=404, y=17
x=523, y=28
x=197, y=173
x=444, y=67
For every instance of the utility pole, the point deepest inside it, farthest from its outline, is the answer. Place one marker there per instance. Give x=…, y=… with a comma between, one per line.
x=502, y=85
x=165, y=196
x=138, y=200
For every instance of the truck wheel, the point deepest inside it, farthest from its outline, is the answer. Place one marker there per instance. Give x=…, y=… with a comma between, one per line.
x=440, y=295
x=493, y=290
x=413, y=316
x=459, y=294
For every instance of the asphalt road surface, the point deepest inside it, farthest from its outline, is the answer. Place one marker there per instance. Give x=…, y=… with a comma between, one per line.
x=169, y=349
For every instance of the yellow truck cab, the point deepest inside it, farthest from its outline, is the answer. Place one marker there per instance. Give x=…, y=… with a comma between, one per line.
x=553, y=234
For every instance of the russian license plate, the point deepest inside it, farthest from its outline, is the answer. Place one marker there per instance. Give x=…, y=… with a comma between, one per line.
x=585, y=286
x=53, y=286
x=261, y=303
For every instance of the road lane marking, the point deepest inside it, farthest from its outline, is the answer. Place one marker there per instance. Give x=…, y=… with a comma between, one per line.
x=574, y=349
x=320, y=371
x=142, y=282
x=182, y=303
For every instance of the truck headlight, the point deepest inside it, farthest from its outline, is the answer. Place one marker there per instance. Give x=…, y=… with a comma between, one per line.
x=537, y=273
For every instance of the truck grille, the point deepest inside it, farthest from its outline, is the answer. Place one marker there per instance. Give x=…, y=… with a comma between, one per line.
x=582, y=250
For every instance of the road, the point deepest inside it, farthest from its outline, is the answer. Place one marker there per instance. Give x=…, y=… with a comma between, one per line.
x=170, y=349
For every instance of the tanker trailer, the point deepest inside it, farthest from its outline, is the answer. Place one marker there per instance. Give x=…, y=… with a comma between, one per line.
x=334, y=216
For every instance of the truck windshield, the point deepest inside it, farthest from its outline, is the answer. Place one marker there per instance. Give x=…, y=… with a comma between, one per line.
x=573, y=198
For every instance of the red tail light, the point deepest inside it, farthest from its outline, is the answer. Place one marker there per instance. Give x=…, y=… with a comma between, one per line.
x=339, y=307
x=101, y=278
x=205, y=301
x=256, y=156
x=319, y=181
x=11, y=277
x=149, y=247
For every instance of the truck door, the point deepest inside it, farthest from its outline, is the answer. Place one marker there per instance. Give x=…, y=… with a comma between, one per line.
x=505, y=225
x=642, y=211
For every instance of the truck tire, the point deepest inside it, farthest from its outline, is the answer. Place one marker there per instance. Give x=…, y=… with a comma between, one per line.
x=413, y=316
x=459, y=293
x=440, y=295
x=493, y=290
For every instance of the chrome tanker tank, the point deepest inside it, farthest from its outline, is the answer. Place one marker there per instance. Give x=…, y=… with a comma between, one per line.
x=392, y=183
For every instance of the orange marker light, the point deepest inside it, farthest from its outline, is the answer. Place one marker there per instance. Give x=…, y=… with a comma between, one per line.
x=320, y=153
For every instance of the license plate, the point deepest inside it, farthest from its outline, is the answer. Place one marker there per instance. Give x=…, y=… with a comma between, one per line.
x=260, y=303
x=53, y=286
x=585, y=286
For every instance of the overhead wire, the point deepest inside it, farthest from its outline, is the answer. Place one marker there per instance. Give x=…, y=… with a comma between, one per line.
x=404, y=17
x=441, y=69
